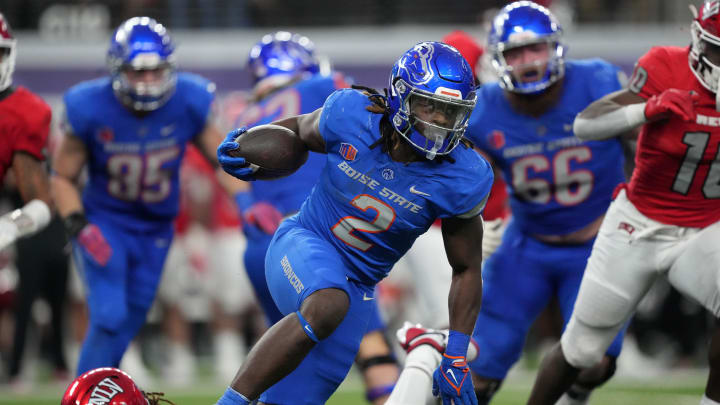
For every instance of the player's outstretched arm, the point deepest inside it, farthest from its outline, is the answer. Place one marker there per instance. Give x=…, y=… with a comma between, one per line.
x=622, y=111
x=610, y=116
x=462, y=238
x=32, y=181
x=68, y=162
x=32, y=178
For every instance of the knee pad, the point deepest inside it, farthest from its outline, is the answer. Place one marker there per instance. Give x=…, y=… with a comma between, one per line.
x=584, y=346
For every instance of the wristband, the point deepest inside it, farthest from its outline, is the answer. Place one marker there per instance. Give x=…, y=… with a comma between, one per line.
x=457, y=344
x=74, y=223
x=635, y=114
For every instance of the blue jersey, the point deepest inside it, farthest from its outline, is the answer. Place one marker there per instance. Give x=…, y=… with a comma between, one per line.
x=134, y=161
x=557, y=182
x=371, y=208
x=288, y=193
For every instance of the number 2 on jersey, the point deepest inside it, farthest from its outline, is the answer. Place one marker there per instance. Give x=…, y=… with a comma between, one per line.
x=344, y=228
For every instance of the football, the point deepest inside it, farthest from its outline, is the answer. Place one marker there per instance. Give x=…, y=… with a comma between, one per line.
x=276, y=150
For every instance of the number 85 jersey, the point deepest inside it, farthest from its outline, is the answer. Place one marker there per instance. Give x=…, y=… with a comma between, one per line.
x=134, y=161
x=677, y=167
x=372, y=208
x=557, y=182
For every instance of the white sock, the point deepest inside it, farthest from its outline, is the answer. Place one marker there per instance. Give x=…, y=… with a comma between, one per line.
x=414, y=386
x=707, y=401
x=230, y=352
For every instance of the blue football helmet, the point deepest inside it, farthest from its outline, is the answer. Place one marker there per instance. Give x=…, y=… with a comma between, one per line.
x=142, y=64
x=432, y=93
x=280, y=57
x=520, y=24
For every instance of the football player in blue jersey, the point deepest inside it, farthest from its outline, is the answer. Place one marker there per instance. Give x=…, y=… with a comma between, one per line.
x=392, y=167
x=559, y=186
x=131, y=129
x=287, y=82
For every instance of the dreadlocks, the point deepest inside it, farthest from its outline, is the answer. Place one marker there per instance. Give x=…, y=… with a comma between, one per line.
x=156, y=398
x=379, y=106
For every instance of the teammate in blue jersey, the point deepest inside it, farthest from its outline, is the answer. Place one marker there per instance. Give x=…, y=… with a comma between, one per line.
x=131, y=129
x=287, y=82
x=559, y=186
x=392, y=167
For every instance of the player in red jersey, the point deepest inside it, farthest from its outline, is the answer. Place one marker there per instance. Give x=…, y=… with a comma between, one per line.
x=24, y=126
x=666, y=222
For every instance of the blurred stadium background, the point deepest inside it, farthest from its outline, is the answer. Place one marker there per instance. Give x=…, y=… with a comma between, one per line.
x=63, y=42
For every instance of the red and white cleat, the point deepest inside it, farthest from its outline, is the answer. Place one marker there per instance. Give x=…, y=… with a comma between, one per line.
x=411, y=336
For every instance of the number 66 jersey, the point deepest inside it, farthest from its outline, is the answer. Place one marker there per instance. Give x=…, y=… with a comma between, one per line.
x=557, y=182
x=372, y=208
x=134, y=160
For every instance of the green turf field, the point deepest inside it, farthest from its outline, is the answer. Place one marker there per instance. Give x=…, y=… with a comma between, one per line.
x=677, y=388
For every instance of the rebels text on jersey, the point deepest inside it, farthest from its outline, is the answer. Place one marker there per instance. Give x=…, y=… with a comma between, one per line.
x=24, y=126
x=372, y=208
x=134, y=161
x=677, y=166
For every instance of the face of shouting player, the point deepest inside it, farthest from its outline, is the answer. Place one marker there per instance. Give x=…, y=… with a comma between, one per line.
x=528, y=62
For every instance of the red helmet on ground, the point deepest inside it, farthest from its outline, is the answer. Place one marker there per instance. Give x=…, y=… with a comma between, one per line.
x=105, y=385
x=7, y=54
x=705, y=50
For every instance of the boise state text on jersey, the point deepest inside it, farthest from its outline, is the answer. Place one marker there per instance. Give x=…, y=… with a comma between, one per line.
x=372, y=208
x=556, y=181
x=134, y=160
x=288, y=193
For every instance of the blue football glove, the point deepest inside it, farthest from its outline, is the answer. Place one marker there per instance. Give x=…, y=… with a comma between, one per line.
x=234, y=166
x=452, y=380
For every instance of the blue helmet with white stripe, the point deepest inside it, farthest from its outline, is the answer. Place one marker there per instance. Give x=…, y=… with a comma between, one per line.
x=431, y=96
x=142, y=64
x=521, y=24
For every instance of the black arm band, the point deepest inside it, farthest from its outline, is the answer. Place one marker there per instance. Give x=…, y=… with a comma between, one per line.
x=74, y=223
x=365, y=364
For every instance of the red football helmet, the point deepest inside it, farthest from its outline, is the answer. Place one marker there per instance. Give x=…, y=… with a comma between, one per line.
x=705, y=50
x=7, y=54
x=105, y=385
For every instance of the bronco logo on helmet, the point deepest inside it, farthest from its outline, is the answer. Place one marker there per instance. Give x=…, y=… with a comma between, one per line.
x=420, y=60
